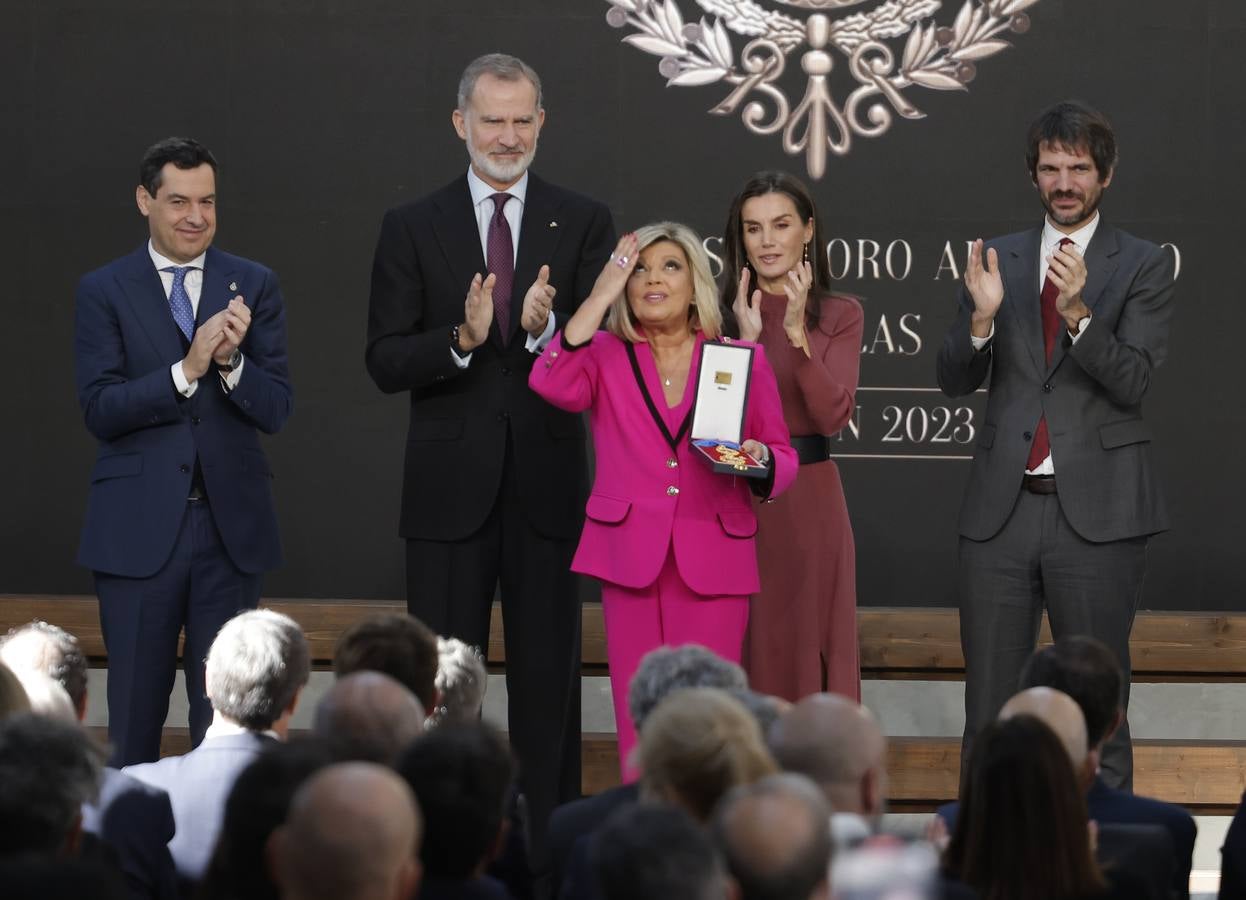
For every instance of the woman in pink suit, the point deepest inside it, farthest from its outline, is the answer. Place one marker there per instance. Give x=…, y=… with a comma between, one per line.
x=802, y=633
x=670, y=540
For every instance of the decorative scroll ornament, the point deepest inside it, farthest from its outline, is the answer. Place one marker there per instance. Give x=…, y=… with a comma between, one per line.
x=934, y=56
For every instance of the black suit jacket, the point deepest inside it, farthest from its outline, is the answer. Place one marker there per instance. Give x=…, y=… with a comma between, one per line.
x=580, y=818
x=1091, y=392
x=426, y=257
x=1233, y=857
x=136, y=821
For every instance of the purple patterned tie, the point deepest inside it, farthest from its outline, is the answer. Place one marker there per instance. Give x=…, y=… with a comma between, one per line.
x=501, y=264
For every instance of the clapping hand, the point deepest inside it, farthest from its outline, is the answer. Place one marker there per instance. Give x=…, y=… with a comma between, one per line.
x=985, y=286
x=797, y=286
x=747, y=310
x=477, y=313
x=537, y=304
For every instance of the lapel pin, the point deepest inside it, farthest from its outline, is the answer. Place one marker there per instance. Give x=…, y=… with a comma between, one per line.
x=233, y=285
x=553, y=224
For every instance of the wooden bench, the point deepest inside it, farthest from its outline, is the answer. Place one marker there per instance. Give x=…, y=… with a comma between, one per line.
x=895, y=643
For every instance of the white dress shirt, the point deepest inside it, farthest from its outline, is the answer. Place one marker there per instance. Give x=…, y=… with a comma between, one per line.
x=482, y=203
x=193, y=282
x=1049, y=242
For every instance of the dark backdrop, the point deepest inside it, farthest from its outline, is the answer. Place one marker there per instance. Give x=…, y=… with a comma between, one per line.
x=324, y=113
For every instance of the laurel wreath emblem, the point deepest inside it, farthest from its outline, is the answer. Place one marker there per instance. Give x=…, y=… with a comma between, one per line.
x=937, y=57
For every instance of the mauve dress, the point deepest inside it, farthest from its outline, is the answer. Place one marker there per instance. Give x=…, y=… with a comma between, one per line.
x=802, y=630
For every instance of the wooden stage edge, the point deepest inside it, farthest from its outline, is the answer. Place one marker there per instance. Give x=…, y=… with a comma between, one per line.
x=896, y=643
x=913, y=643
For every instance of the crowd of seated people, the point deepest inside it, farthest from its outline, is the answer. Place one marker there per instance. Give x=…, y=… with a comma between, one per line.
x=400, y=789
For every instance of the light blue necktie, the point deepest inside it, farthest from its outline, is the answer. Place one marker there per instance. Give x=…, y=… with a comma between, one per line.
x=179, y=300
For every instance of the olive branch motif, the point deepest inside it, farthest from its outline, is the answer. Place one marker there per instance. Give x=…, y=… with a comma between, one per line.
x=937, y=57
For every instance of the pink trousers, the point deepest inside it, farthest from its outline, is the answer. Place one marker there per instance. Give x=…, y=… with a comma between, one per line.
x=666, y=612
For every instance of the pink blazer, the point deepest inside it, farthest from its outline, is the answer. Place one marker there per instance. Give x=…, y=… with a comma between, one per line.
x=651, y=489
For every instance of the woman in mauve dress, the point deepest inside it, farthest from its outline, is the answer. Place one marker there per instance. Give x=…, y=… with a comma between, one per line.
x=802, y=630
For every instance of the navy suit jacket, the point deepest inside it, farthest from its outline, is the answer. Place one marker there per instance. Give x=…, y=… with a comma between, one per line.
x=125, y=341
x=198, y=785
x=1108, y=806
x=136, y=821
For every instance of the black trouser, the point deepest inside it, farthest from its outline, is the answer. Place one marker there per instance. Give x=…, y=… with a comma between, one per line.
x=450, y=587
x=1038, y=560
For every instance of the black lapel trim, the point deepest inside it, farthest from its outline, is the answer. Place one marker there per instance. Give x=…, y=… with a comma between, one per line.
x=672, y=441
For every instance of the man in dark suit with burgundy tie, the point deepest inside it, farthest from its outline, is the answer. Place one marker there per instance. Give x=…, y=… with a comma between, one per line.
x=494, y=480
x=1070, y=320
x=180, y=357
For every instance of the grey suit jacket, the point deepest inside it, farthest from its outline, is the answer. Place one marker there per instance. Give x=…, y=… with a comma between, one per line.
x=1091, y=392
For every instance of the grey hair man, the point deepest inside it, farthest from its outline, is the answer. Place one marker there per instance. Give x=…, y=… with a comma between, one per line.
x=133, y=818
x=838, y=745
x=775, y=835
x=368, y=716
x=49, y=768
x=353, y=833
x=42, y=647
x=661, y=672
x=256, y=668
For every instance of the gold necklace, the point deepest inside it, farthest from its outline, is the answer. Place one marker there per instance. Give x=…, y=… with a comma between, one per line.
x=666, y=380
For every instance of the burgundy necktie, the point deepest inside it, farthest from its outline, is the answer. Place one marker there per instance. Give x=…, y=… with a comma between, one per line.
x=1041, y=448
x=501, y=263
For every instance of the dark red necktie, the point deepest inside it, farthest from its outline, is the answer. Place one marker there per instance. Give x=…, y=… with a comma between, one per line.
x=501, y=263
x=1041, y=448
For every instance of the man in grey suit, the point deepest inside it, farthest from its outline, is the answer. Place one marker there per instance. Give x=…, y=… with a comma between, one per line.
x=1070, y=320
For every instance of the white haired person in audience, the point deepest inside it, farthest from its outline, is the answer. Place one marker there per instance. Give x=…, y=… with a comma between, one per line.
x=461, y=682
x=256, y=669
x=134, y=819
x=13, y=699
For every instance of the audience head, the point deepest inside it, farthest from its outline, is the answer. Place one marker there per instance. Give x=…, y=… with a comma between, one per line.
x=626, y=313
x=697, y=745
x=397, y=645
x=13, y=697
x=257, y=804
x=352, y=833
x=1022, y=829
x=48, y=769
x=47, y=697
x=41, y=647
x=256, y=667
x=1087, y=671
x=838, y=745
x=765, y=708
x=655, y=852
x=775, y=835
x=461, y=682
x=462, y=774
x=368, y=716
x=669, y=669
x=1058, y=712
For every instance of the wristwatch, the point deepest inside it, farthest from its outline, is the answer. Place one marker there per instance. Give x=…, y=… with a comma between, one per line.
x=235, y=360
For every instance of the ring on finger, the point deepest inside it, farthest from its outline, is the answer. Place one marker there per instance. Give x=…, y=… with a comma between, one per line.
x=621, y=262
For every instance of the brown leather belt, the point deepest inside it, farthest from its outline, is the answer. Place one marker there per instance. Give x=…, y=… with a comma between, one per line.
x=1039, y=484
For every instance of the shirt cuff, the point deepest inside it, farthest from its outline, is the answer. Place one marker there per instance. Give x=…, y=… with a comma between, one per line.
x=1082, y=325
x=461, y=361
x=980, y=343
x=184, y=387
x=537, y=344
x=230, y=381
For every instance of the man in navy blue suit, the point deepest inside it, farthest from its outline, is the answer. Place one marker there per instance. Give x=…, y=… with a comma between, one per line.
x=180, y=352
